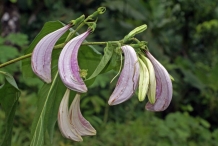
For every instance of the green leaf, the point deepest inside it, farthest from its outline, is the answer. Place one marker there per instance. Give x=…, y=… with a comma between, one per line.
x=88, y=58
x=50, y=96
x=9, y=94
x=114, y=63
x=47, y=28
x=108, y=52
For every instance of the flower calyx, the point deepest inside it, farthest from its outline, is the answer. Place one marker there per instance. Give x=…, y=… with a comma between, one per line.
x=91, y=26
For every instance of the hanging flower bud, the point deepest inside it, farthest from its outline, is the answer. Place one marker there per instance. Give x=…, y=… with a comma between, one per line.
x=143, y=80
x=68, y=64
x=163, y=86
x=128, y=80
x=67, y=129
x=83, y=127
x=41, y=56
x=152, y=80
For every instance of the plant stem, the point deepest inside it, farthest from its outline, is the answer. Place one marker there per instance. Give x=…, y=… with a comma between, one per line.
x=71, y=34
x=15, y=60
x=100, y=10
x=94, y=43
x=59, y=46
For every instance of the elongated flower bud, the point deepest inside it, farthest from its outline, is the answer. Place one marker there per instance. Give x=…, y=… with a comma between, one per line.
x=152, y=80
x=83, y=127
x=143, y=80
x=68, y=64
x=41, y=56
x=128, y=80
x=67, y=129
x=163, y=86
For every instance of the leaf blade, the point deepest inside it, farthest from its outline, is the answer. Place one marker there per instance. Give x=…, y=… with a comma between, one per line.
x=9, y=99
x=108, y=52
x=40, y=121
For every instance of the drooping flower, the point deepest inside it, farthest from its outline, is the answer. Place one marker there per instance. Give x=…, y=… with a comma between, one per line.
x=68, y=64
x=71, y=122
x=163, y=86
x=67, y=129
x=128, y=80
x=41, y=56
x=83, y=127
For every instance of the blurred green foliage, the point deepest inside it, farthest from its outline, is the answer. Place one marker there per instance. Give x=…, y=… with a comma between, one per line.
x=182, y=35
x=9, y=49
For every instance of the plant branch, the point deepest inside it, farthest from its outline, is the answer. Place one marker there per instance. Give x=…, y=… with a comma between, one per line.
x=59, y=46
x=15, y=60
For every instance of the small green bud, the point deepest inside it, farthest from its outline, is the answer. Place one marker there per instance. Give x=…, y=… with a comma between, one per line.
x=83, y=73
x=101, y=10
x=78, y=20
x=135, y=31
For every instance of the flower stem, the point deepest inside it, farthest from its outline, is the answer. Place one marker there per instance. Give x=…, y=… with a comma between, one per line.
x=99, y=11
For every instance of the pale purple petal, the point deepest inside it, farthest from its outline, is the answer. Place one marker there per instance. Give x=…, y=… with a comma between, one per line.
x=163, y=87
x=128, y=80
x=41, y=56
x=82, y=126
x=68, y=64
x=67, y=129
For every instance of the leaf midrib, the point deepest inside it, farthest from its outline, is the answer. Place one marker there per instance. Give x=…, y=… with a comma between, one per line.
x=43, y=109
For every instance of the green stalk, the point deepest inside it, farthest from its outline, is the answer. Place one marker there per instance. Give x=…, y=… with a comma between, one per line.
x=59, y=46
x=15, y=60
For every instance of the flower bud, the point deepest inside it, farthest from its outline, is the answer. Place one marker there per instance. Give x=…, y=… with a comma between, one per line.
x=67, y=129
x=163, y=86
x=68, y=66
x=128, y=80
x=83, y=127
x=41, y=56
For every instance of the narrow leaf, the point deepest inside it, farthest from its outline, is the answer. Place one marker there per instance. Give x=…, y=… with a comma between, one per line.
x=49, y=99
x=108, y=52
x=9, y=94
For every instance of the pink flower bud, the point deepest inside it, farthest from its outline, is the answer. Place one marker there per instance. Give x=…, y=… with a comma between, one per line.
x=128, y=80
x=41, y=56
x=163, y=86
x=82, y=126
x=68, y=64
